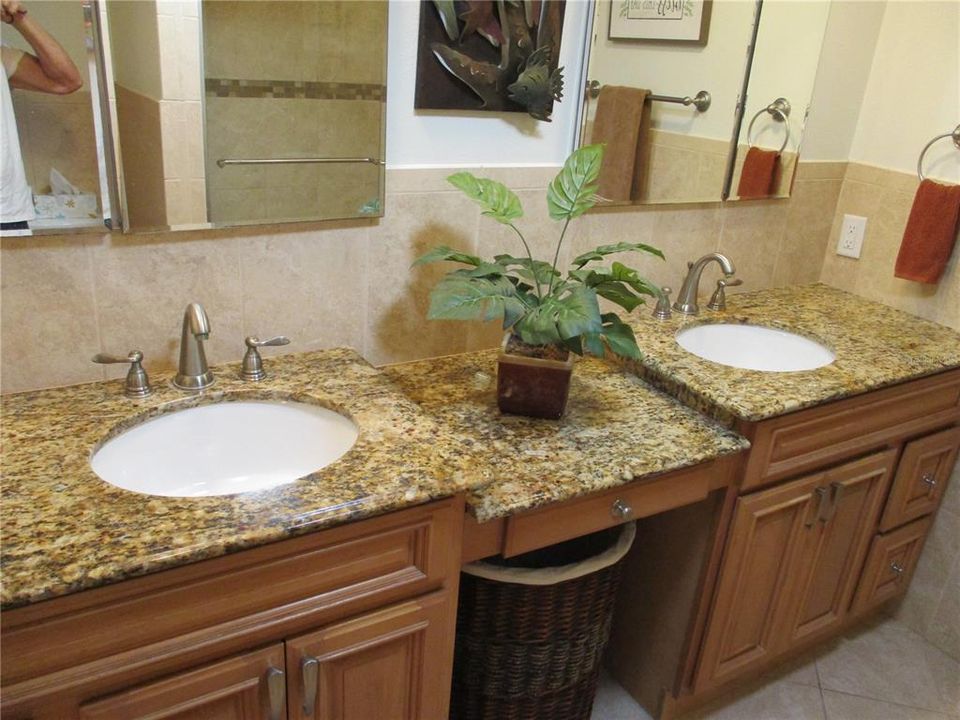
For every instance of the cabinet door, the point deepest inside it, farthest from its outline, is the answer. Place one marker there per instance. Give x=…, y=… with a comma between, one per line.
x=246, y=687
x=922, y=477
x=831, y=564
x=393, y=663
x=767, y=536
x=890, y=565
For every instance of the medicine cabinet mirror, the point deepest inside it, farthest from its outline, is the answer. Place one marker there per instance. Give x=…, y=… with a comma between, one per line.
x=692, y=144
x=247, y=112
x=60, y=135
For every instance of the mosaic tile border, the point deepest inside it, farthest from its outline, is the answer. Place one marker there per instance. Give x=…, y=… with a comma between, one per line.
x=291, y=89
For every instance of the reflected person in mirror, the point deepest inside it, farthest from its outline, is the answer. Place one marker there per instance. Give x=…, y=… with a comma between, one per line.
x=50, y=70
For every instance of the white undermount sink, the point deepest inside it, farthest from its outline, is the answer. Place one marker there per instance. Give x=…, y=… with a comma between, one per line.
x=224, y=448
x=754, y=347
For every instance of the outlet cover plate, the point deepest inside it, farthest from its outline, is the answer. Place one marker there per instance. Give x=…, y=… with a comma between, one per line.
x=850, y=242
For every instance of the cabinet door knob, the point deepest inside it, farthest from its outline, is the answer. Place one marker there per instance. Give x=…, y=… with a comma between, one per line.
x=929, y=480
x=276, y=692
x=620, y=510
x=896, y=568
x=309, y=670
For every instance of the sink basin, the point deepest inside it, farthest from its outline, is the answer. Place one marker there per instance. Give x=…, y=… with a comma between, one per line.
x=753, y=347
x=223, y=449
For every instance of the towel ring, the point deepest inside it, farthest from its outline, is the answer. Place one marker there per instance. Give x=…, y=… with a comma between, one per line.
x=955, y=136
x=779, y=109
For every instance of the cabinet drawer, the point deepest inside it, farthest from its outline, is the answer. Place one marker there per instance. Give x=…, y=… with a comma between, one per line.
x=597, y=511
x=922, y=477
x=809, y=439
x=893, y=558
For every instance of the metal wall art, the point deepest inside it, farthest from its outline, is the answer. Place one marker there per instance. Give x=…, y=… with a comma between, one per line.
x=495, y=55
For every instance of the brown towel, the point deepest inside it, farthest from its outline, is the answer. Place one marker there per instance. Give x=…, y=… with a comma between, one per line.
x=760, y=175
x=931, y=233
x=622, y=122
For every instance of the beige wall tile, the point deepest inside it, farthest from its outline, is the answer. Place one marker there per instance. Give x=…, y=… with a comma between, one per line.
x=144, y=282
x=397, y=325
x=308, y=285
x=48, y=313
x=807, y=232
x=751, y=236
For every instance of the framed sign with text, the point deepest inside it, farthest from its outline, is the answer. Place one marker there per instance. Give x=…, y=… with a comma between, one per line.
x=682, y=21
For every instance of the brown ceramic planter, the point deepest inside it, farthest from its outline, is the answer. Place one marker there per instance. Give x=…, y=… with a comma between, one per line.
x=532, y=386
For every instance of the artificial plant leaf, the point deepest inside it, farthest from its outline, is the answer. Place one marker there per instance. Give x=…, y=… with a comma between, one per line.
x=619, y=336
x=536, y=270
x=460, y=298
x=593, y=344
x=571, y=193
x=446, y=253
x=628, y=275
x=496, y=199
x=618, y=293
x=484, y=269
x=600, y=252
x=538, y=327
x=578, y=312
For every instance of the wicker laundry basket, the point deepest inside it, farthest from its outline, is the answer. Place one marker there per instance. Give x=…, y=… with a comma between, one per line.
x=531, y=630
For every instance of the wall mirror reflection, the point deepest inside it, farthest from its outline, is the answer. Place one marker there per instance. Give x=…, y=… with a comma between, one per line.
x=669, y=104
x=54, y=171
x=248, y=112
x=667, y=151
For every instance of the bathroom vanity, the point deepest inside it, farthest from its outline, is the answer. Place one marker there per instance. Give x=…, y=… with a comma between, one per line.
x=335, y=596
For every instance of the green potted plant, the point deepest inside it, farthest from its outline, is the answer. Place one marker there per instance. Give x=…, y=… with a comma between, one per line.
x=548, y=316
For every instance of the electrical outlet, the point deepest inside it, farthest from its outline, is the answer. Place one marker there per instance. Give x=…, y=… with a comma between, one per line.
x=850, y=242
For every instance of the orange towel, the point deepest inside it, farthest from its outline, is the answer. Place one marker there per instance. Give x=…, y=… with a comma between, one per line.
x=622, y=122
x=931, y=233
x=760, y=175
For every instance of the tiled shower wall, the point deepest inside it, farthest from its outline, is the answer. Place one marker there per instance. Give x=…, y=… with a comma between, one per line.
x=884, y=197
x=265, y=101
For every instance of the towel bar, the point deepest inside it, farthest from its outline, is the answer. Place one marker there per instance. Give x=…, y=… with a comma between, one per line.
x=955, y=136
x=779, y=110
x=223, y=162
x=701, y=101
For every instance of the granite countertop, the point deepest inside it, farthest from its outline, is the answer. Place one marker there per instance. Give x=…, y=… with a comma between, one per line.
x=65, y=530
x=616, y=429
x=875, y=346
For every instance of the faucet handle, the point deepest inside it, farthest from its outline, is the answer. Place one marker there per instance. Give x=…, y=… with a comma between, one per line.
x=662, y=310
x=252, y=367
x=137, y=383
x=718, y=301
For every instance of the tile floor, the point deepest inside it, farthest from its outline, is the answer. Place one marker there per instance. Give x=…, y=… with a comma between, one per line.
x=882, y=671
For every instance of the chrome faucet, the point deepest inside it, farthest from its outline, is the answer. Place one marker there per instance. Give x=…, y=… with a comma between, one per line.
x=686, y=302
x=193, y=374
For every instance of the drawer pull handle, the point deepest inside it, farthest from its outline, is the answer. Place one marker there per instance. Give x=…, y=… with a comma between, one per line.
x=309, y=669
x=896, y=568
x=929, y=480
x=276, y=692
x=822, y=503
x=620, y=510
x=836, y=490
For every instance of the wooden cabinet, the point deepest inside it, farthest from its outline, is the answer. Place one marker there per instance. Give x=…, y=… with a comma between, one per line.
x=792, y=563
x=374, y=601
x=397, y=658
x=247, y=687
x=890, y=565
x=922, y=478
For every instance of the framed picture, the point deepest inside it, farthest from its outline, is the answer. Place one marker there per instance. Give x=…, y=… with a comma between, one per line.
x=672, y=21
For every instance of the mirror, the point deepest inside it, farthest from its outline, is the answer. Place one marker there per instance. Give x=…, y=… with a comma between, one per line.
x=689, y=147
x=53, y=143
x=248, y=112
x=785, y=62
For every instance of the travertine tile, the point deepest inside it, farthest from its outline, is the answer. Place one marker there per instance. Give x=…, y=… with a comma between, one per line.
x=399, y=297
x=809, y=220
x=143, y=283
x=778, y=701
x=310, y=286
x=944, y=628
x=48, y=315
x=685, y=234
x=751, y=237
x=841, y=706
x=889, y=662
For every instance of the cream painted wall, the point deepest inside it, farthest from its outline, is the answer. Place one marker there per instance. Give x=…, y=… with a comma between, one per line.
x=849, y=44
x=467, y=139
x=913, y=92
x=135, y=46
